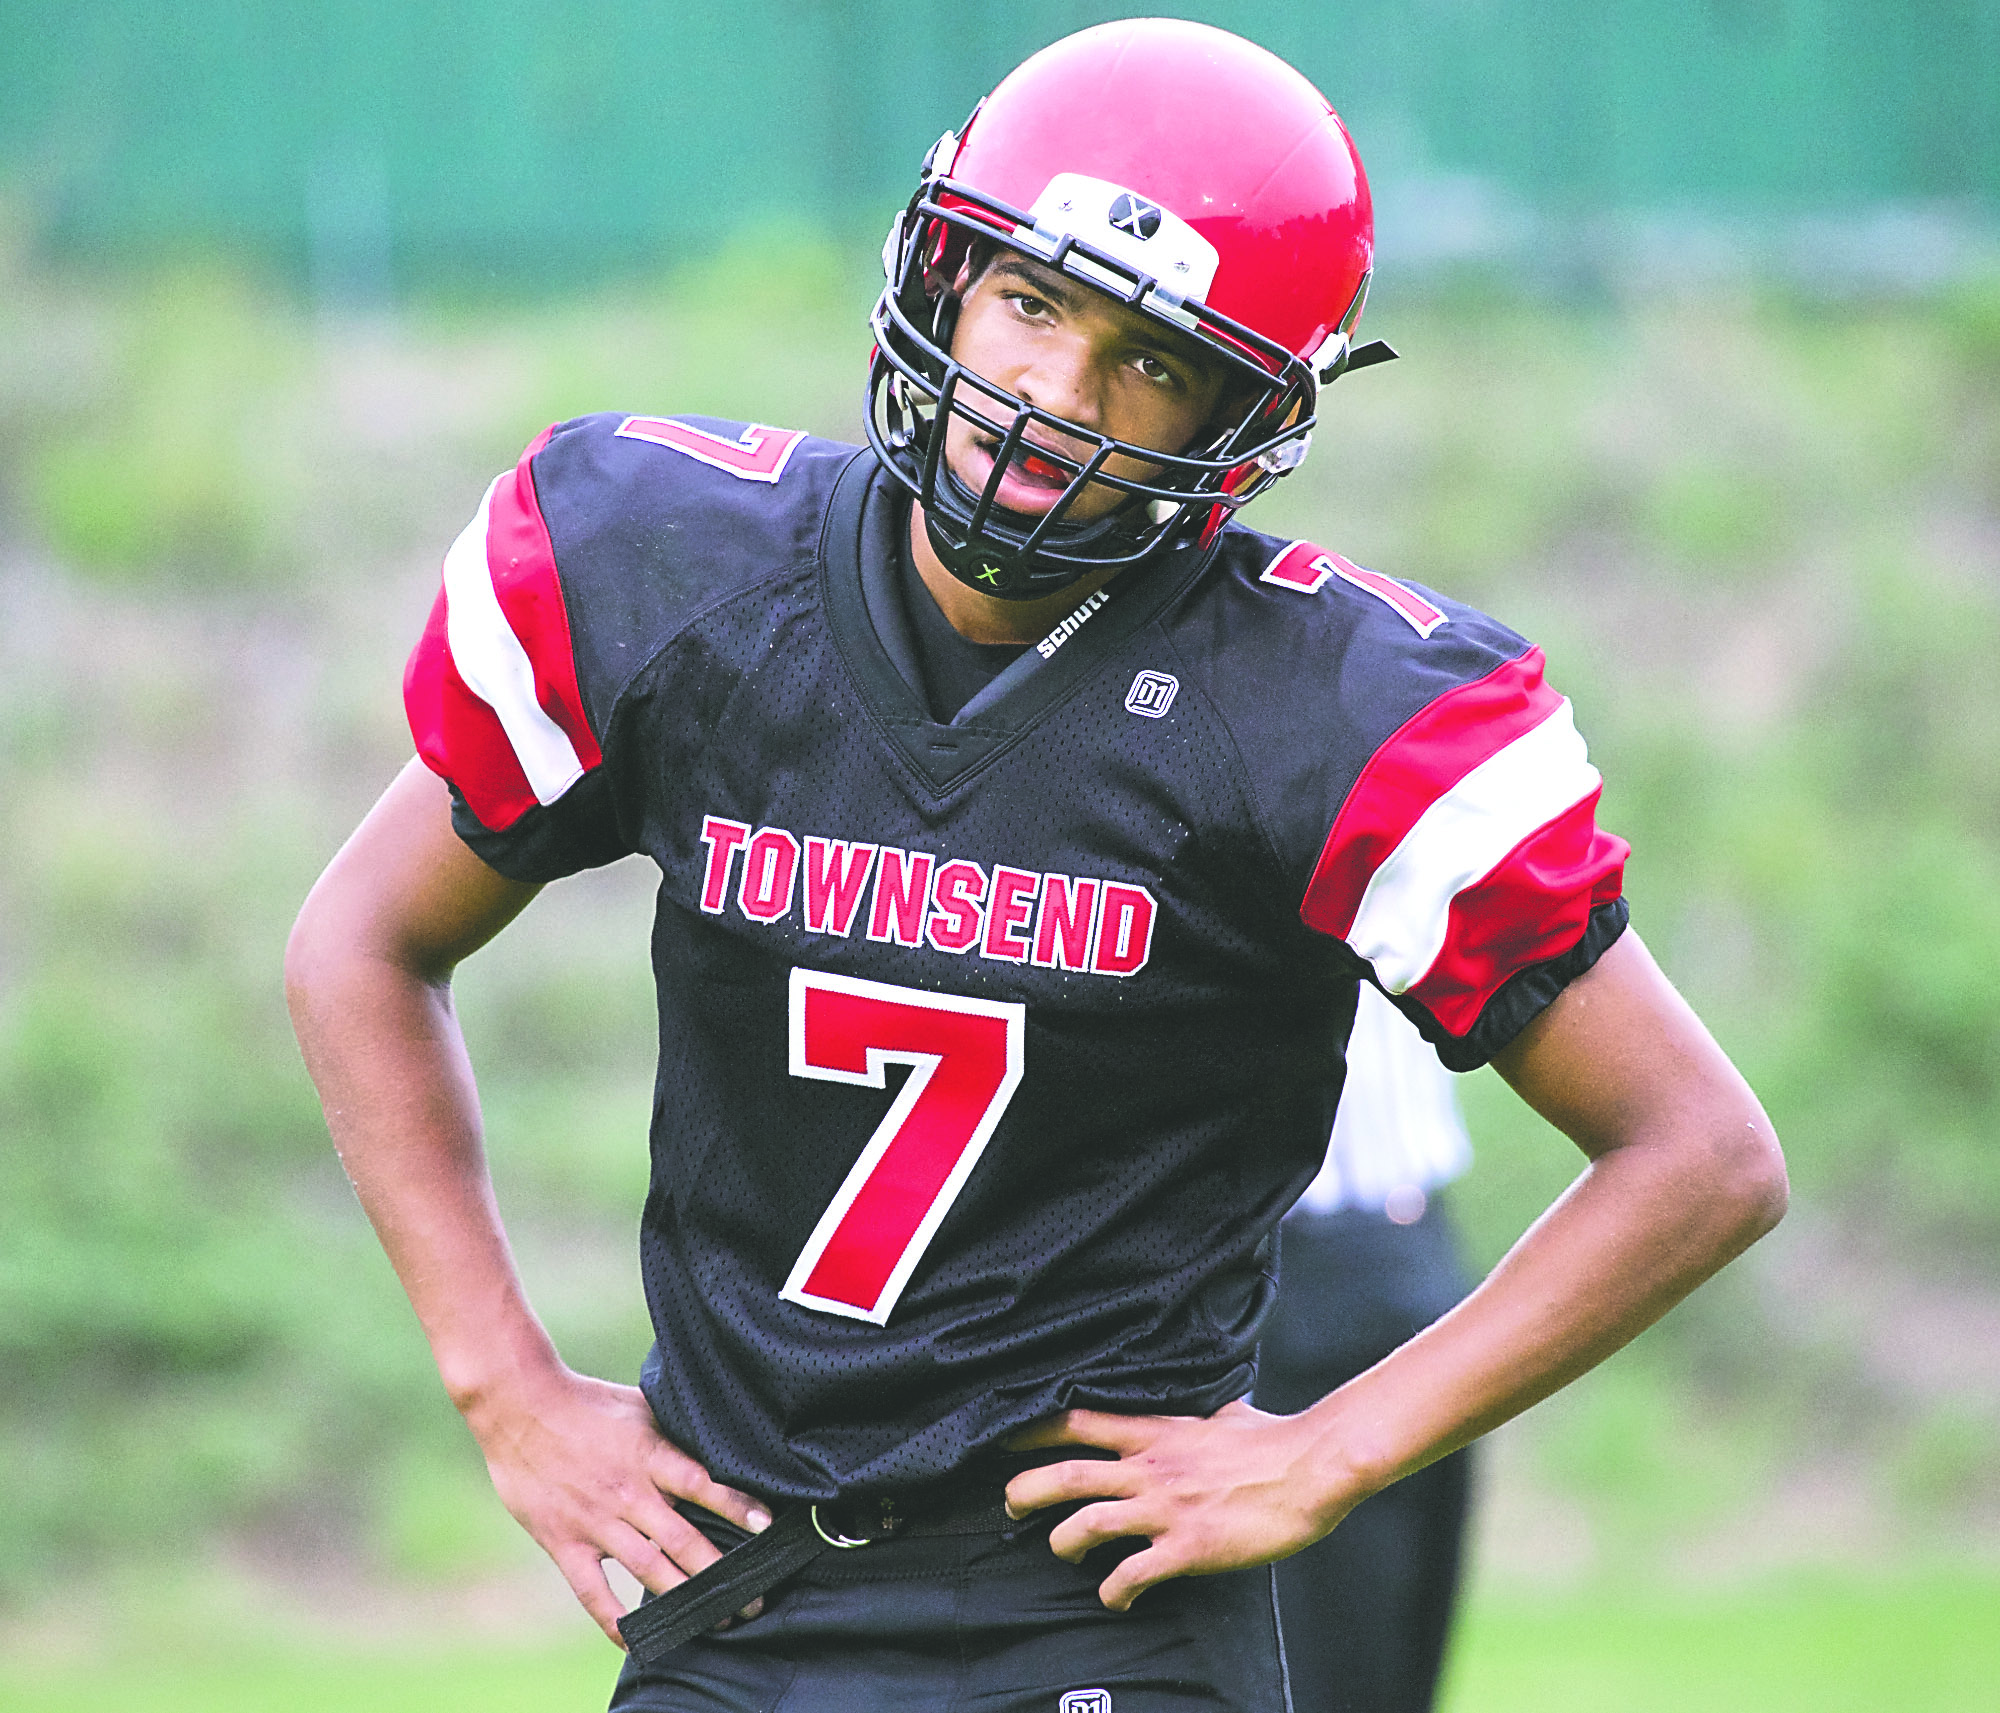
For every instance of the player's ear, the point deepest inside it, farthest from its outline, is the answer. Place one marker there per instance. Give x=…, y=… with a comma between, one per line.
x=1234, y=400
x=978, y=257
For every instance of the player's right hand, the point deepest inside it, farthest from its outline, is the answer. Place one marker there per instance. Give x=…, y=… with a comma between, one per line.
x=584, y=1469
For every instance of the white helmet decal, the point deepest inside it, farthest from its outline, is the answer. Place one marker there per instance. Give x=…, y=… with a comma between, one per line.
x=1122, y=223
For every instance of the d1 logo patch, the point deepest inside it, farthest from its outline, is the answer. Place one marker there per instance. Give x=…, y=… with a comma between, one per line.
x=1085, y=1701
x=1151, y=695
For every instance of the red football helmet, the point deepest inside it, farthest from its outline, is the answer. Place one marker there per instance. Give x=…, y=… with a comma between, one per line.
x=1190, y=175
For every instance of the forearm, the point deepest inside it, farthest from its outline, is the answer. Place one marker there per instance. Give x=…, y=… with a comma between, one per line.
x=368, y=977
x=579, y=1462
x=1685, y=1173
x=1638, y=1230
x=384, y=1049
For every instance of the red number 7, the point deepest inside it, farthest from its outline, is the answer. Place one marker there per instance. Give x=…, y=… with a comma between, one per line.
x=965, y=1059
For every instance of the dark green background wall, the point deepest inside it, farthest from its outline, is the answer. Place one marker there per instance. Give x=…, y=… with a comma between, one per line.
x=380, y=144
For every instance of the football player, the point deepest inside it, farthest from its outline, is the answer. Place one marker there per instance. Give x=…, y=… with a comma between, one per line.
x=1025, y=828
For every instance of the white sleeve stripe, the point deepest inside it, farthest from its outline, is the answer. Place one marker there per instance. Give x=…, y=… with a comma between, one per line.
x=1460, y=839
x=495, y=666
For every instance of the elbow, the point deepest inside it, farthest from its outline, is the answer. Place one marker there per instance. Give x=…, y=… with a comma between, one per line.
x=1752, y=1179
x=1775, y=1193
x=327, y=959
x=345, y=958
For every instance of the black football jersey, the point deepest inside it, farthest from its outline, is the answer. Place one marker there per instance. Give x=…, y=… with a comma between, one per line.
x=992, y=1051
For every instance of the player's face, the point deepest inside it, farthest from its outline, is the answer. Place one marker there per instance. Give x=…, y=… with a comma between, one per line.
x=1072, y=351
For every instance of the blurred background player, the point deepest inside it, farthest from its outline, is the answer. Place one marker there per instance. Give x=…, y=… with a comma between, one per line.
x=1367, y=1260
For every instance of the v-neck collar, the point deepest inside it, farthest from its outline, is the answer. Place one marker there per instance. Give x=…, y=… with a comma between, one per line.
x=864, y=611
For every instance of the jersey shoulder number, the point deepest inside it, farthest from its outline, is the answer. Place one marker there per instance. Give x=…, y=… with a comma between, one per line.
x=757, y=454
x=576, y=566
x=1306, y=568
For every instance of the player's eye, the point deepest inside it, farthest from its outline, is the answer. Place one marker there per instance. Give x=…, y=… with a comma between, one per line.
x=1155, y=370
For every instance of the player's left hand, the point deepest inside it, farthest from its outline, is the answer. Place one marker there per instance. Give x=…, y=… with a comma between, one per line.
x=1210, y=1493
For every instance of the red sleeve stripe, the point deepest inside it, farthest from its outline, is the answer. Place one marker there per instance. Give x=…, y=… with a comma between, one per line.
x=1401, y=923
x=1431, y=753
x=456, y=733
x=509, y=637
x=1533, y=906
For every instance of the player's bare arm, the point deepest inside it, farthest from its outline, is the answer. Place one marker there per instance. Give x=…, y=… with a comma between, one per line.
x=578, y=1461
x=1685, y=1173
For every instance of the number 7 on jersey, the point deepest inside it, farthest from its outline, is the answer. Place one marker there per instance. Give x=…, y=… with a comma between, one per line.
x=965, y=1058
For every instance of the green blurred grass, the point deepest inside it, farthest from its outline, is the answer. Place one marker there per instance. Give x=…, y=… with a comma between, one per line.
x=1819, y=1647
x=1923, y=1646
x=311, y=1678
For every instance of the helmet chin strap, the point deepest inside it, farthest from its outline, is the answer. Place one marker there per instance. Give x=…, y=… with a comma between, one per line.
x=992, y=570
x=1004, y=579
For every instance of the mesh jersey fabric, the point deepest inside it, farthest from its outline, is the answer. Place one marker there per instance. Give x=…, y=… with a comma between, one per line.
x=1134, y=876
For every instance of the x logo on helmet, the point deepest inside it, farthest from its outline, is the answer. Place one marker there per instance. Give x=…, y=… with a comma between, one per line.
x=1134, y=214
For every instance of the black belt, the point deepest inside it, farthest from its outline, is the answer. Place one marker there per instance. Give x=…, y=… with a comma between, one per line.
x=798, y=1537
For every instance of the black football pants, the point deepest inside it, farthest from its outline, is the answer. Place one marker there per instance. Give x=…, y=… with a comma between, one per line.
x=1367, y=1610
x=977, y=1624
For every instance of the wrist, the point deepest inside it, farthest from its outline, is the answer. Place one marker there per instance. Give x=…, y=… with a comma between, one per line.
x=1352, y=1457
x=482, y=1376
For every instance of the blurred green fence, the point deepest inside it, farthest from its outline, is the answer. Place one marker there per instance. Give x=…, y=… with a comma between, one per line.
x=383, y=144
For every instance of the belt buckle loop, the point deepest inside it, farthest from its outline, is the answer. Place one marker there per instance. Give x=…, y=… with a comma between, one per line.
x=847, y=1543
x=888, y=1523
